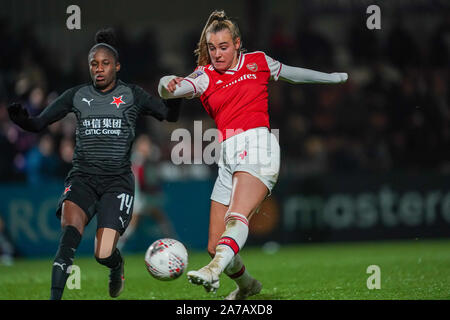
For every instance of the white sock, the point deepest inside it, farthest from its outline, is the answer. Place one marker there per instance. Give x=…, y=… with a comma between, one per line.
x=232, y=240
x=236, y=270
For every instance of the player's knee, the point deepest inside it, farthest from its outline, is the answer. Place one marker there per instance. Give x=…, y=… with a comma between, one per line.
x=102, y=259
x=74, y=224
x=70, y=239
x=211, y=251
x=111, y=260
x=101, y=255
x=102, y=252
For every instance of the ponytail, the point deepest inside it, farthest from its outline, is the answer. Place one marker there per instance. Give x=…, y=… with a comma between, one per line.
x=106, y=38
x=216, y=22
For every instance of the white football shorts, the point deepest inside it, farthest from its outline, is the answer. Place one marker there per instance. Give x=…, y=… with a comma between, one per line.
x=255, y=151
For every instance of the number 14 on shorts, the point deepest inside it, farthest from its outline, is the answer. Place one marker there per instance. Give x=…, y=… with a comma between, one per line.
x=126, y=201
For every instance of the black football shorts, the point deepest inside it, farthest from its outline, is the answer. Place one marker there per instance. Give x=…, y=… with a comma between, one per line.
x=110, y=198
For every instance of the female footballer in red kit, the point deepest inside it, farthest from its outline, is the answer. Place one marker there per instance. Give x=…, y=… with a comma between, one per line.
x=232, y=86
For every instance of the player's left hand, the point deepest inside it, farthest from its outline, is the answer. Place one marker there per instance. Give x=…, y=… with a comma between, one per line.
x=17, y=113
x=342, y=76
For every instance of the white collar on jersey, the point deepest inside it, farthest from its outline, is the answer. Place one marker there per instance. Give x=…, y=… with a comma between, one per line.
x=238, y=65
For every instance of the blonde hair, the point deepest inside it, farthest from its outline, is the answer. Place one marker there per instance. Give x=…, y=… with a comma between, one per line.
x=216, y=22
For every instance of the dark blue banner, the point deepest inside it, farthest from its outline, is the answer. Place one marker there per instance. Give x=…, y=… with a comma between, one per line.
x=31, y=223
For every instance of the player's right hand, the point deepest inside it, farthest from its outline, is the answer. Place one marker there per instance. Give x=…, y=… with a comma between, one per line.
x=17, y=113
x=172, y=85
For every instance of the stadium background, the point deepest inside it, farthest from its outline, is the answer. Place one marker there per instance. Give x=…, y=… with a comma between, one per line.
x=367, y=160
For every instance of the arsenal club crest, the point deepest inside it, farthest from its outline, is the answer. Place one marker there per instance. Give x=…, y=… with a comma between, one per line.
x=118, y=101
x=252, y=67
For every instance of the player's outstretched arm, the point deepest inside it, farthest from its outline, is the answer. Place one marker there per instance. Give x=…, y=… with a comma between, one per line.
x=171, y=87
x=20, y=116
x=57, y=110
x=301, y=75
x=161, y=109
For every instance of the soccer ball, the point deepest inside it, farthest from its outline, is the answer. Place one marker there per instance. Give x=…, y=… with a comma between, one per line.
x=166, y=259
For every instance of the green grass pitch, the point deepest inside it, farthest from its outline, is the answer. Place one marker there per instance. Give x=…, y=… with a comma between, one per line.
x=416, y=269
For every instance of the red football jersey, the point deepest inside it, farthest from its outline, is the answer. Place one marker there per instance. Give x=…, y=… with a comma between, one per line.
x=237, y=99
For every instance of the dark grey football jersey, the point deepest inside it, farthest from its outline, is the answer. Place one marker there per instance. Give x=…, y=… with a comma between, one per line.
x=105, y=124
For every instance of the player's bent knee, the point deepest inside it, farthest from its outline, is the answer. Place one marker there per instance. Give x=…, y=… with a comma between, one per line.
x=104, y=251
x=102, y=254
x=211, y=251
x=110, y=261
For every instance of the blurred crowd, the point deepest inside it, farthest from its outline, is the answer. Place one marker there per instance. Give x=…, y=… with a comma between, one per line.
x=392, y=114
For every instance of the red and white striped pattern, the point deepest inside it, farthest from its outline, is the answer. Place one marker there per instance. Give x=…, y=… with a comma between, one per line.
x=238, y=274
x=229, y=242
x=236, y=216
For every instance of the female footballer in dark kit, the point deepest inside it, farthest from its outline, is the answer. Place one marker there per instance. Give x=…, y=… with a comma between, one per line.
x=101, y=181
